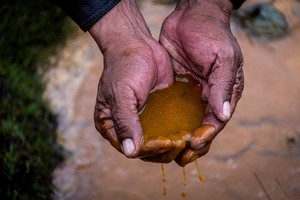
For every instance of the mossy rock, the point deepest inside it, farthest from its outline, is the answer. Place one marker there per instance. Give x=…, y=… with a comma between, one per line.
x=262, y=20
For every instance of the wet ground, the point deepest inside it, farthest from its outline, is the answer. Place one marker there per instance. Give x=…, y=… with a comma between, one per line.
x=257, y=155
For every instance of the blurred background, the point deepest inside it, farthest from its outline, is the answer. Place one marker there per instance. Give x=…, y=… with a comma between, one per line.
x=49, y=72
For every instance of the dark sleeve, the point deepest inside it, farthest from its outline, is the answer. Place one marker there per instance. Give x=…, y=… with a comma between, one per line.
x=86, y=12
x=237, y=3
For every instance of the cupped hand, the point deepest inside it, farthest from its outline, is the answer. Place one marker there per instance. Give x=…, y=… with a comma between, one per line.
x=134, y=65
x=197, y=35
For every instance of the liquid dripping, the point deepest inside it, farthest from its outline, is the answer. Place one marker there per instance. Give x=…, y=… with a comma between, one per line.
x=164, y=180
x=201, y=178
x=184, y=194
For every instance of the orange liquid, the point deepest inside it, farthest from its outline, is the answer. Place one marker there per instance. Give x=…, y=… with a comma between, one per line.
x=184, y=193
x=201, y=178
x=170, y=117
x=178, y=108
x=164, y=180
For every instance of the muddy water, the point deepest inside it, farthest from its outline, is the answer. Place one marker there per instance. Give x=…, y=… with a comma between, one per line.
x=256, y=156
x=169, y=118
x=178, y=108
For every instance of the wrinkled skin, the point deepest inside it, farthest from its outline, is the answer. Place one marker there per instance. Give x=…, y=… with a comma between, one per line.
x=134, y=64
x=198, y=39
x=197, y=35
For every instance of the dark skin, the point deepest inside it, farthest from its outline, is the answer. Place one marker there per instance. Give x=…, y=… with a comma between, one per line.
x=197, y=35
x=195, y=39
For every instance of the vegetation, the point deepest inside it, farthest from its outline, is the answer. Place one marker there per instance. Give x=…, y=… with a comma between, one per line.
x=29, y=32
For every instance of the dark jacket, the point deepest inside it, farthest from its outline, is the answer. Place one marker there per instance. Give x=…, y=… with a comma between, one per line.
x=86, y=12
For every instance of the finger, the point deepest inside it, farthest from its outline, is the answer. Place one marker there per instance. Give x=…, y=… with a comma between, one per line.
x=108, y=132
x=209, y=129
x=105, y=125
x=153, y=147
x=167, y=156
x=205, y=89
x=188, y=155
x=160, y=158
x=237, y=89
x=221, y=82
x=126, y=120
x=199, y=145
x=165, y=72
x=212, y=120
x=202, y=136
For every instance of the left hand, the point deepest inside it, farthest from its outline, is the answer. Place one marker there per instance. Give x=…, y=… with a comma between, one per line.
x=197, y=35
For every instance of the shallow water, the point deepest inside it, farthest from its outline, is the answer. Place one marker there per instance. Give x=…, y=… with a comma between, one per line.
x=255, y=156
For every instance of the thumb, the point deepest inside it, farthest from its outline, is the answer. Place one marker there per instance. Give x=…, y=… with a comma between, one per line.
x=127, y=126
x=221, y=82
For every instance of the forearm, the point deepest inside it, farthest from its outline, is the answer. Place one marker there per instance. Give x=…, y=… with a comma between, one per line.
x=121, y=24
x=220, y=9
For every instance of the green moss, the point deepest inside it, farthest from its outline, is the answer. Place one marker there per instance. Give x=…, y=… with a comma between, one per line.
x=30, y=31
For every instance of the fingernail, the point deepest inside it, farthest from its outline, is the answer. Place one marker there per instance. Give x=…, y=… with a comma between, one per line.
x=203, y=136
x=128, y=146
x=226, y=109
x=201, y=145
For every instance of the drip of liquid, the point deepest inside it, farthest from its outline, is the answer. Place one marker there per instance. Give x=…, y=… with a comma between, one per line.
x=201, y=178
x=184, y=194
x=164, y=180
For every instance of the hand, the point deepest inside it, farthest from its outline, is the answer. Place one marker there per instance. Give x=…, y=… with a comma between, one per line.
x=197, y=36
x=134, y=64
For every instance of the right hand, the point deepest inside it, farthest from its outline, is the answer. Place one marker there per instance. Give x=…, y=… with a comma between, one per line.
x=134, y=65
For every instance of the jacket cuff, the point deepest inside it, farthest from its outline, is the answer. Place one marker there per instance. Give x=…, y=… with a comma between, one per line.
x=237, y=3
x=86, y=12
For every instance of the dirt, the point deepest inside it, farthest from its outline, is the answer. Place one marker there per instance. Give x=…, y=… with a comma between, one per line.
x=257, y=155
